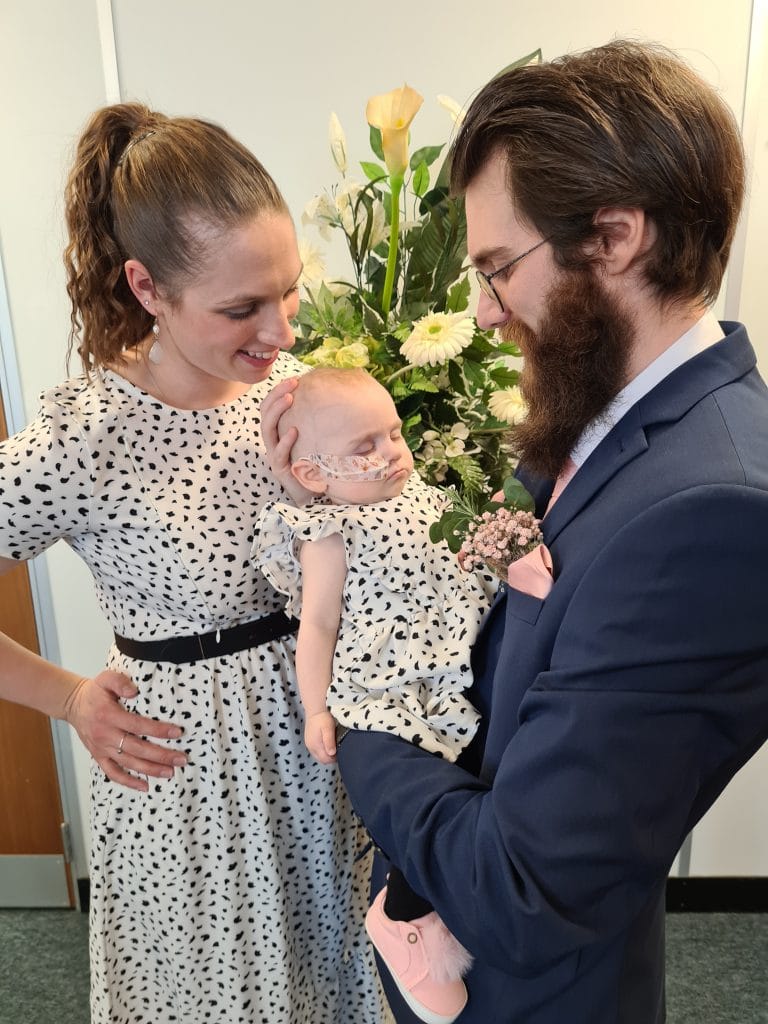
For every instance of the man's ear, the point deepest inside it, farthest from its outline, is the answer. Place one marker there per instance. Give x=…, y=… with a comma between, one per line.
x=141, y=284
x=309, y=476
x=625, y=234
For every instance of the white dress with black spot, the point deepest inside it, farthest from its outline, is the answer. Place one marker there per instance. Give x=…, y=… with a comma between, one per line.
x=230, y=893
x=409, y=613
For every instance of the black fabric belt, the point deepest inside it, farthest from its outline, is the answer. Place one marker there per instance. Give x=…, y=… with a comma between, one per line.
x=183, y=650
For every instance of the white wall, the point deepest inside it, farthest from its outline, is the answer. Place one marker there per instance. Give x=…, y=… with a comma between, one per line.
x=50, y=80
x=272, y=74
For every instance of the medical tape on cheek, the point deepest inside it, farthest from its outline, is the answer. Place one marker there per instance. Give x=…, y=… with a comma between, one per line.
x=349, y=467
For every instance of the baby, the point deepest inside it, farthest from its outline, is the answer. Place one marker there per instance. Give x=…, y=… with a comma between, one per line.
x=387, y=622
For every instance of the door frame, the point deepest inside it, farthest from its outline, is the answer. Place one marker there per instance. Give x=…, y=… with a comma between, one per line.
x=10, y=386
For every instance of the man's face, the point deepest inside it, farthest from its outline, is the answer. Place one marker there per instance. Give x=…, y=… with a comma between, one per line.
x=495, y=236
x=573, y=333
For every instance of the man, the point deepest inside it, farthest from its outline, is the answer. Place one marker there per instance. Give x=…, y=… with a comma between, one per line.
x=602, y=192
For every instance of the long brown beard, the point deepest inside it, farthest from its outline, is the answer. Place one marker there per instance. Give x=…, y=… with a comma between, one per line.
x=574, y=365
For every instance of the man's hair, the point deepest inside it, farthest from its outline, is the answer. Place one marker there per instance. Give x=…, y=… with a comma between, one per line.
x=626, y=124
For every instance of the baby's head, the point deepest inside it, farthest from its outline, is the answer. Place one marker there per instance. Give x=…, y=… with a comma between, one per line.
x=350, y=445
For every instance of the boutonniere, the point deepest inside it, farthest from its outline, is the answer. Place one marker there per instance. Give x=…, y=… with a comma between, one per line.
x=501, y=534
x=499, y=539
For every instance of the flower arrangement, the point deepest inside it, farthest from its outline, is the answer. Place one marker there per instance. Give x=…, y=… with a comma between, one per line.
x=402, y=312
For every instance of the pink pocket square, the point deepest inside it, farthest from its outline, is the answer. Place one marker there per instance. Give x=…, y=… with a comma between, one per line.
x=532, y=574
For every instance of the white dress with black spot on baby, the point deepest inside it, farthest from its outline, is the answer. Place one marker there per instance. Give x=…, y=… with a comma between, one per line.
x=409, y=613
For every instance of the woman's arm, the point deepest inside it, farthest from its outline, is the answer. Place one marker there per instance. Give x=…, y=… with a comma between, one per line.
x=92, y=707
x=324, y=570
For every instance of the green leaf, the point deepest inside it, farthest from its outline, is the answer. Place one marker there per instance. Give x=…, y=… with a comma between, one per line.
x=427, y=155
x=508, y=349
x=458, y=296
x=534, y=57
x=517, y=495
x=432, y=198
x=375, y=140
x=436, y=531
x=450, y=527
x=420, y=182
x=455, y=377
x=420, y=382
x=474, y=373
x=504, y=377
x=375, y=172
x=470, y=473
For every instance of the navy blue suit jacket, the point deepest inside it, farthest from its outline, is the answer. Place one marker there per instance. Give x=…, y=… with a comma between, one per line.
x=615, y=712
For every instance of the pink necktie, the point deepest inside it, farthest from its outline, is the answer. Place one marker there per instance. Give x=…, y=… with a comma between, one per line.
x=562, y=481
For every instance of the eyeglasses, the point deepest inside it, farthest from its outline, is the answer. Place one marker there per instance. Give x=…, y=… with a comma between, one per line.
x=485, y=280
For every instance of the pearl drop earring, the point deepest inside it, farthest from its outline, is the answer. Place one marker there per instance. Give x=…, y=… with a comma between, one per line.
x=155, y=353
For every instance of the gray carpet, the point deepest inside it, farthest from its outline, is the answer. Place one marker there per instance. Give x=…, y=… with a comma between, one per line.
x=717, y=968
x=43, y=967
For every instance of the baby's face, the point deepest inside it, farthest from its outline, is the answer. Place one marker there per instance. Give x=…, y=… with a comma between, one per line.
x=361, y=421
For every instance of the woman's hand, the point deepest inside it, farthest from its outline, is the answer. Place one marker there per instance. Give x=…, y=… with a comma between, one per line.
x=115, y=737
x=279, y=448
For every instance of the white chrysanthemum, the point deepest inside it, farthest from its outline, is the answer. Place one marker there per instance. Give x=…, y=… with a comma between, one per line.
x=508, y=405
x=438, y=337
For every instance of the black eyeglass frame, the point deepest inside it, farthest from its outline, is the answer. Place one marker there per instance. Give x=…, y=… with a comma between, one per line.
x=486, y=280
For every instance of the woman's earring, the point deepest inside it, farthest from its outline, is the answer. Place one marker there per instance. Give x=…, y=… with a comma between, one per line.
x=155, y=353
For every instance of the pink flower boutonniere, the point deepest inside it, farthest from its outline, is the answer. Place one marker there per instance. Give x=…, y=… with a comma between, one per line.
x=503, y=535
x=497, y=539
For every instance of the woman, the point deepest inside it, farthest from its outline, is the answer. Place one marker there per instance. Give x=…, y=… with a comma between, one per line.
x=224, y=884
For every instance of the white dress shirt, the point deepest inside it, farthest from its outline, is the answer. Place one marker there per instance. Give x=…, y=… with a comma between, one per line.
x=705, y=332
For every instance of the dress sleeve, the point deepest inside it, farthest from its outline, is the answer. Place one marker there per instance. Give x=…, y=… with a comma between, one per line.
x=46, y=483
x=280, y=531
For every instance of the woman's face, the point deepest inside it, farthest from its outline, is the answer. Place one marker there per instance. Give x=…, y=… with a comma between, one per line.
x=235, y=317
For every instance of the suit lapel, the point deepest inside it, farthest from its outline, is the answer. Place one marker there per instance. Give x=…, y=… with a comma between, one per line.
x=671, y=399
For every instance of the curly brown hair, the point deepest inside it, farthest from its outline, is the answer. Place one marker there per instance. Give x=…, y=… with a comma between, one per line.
x=142, y=185
x=626, y=124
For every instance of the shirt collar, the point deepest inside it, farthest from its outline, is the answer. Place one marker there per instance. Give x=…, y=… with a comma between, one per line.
x=705, y=332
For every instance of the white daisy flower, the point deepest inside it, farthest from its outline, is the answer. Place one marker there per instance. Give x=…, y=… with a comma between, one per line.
x=438, y=337
x=508, y=405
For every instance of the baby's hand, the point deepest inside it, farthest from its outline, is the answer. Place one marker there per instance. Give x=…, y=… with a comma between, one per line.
x=320, y=737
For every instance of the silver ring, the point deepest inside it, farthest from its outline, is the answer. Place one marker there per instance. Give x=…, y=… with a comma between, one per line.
x=122, y=741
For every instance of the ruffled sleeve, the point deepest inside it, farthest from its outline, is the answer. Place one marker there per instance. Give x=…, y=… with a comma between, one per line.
x=280, y=532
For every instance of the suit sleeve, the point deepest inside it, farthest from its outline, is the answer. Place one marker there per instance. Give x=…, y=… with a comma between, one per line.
x=657, y=693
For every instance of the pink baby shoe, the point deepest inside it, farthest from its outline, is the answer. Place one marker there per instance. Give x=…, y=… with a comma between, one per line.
x=425, y=961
